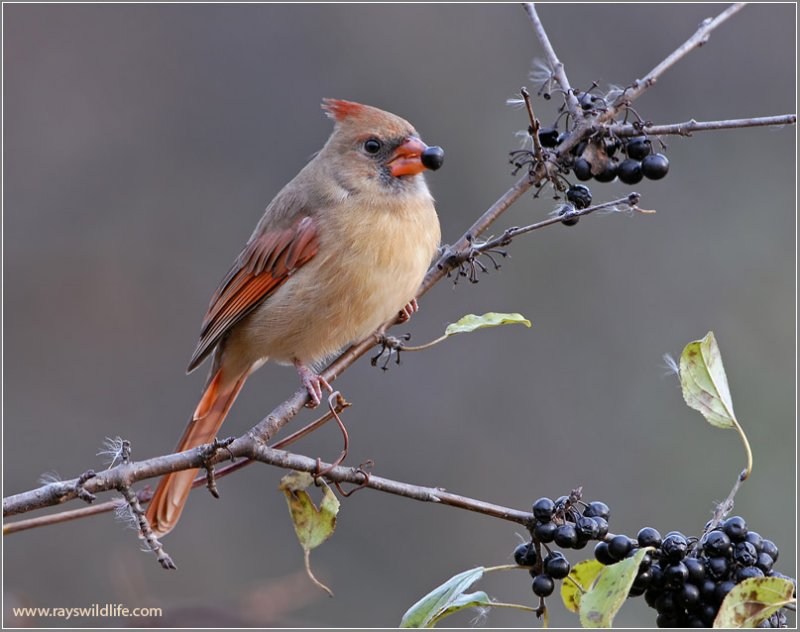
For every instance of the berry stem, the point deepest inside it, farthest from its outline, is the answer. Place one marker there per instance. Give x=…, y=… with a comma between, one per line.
x=504, y=567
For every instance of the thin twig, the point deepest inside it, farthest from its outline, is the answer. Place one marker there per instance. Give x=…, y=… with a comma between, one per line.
x=726, y=506
x=337, y=474
x=145, y=495
x=340, y=474
x=631, y=201
x=553, y=61
x=687, y=127
x=699, y=38
x=533, y=130
x=145, y=529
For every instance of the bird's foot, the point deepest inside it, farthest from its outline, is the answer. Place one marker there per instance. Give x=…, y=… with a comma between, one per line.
x=411, y=307
x=314, y=383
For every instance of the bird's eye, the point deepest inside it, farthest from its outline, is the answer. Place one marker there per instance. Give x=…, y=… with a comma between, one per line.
x=372, y=146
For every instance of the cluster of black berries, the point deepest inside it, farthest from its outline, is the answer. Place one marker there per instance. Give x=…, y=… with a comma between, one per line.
x=630, y=159
x=636, y=161
x=567, y=522
x=686, y=579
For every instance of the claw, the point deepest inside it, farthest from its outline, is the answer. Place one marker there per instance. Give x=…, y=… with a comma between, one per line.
x=314, y=383
x=412, y=307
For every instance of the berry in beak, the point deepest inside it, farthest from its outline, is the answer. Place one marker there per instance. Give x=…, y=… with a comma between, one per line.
x=413, y=157
x=433, y=157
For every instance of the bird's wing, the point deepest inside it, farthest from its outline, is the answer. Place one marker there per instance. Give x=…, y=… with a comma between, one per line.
x=269, y=258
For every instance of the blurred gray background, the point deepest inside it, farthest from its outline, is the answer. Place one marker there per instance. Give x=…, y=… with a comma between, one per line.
x=142, y=144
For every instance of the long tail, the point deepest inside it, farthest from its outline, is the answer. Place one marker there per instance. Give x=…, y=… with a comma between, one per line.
x=167, y=504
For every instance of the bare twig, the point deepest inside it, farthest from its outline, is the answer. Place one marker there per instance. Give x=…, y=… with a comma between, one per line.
x=699, y=38
x=256, y=451
x=630, y=201
x=687, y=127
x=144, y=528
x=341, y=474
x=553, y=61
x=533, y=130
x=146, y=494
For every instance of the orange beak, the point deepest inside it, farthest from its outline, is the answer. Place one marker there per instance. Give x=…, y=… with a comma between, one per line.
x=407, y=158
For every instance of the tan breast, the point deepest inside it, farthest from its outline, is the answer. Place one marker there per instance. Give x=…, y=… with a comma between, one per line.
x=371, y=262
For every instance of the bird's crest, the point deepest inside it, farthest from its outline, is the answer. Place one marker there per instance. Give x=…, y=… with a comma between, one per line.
x=339, y=110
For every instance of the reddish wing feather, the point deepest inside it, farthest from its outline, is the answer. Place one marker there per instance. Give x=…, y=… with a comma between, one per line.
x=265, y=263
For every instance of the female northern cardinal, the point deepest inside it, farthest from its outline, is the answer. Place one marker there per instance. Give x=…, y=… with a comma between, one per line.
x=340, y=250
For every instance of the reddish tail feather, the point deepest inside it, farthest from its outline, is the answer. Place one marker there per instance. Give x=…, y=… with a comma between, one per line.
x=173, y=491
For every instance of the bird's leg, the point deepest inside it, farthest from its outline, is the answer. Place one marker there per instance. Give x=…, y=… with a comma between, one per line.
x=312, y=382
x=405, y=314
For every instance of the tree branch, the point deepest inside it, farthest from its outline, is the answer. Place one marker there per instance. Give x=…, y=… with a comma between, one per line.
x=687, y=127
x=699, y=38
x=553, y=61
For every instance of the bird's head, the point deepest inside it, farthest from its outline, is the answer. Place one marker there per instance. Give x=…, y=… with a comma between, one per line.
x=373, y=148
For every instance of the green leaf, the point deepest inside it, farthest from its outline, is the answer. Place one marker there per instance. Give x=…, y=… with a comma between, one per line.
x=602, y=602
x=704, y=383
x=439, y=602
x=467, y=600
x=752, y=601
x=313, y=526
x=578, y=582
x=471, y=322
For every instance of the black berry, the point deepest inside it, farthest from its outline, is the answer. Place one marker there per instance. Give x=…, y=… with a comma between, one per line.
x=568, y=208
x=697, y=570
x=525, y=554
x=544, y=531
x=674, y=547
x=716, y=544
x=638, y=148
x=432, y=158
x=768, y=547
x=747, y=572
x=543, y=585
x=723, y=589
x=566, y=536
x=602, y=555
x=630, y=171
x=580, y=196
x=717, y=567
x=587, y=528
x=611, y=145
x=642, y=581
x=764, y=562
x=582, y=169
x=688, y=596
x=602, y=526
x=755, y=539
x=544, y=509
x=675, y=575
x=548, y=136
x=655, y=166
x=556, y=565
x=619, y=546
x=648, y=537
x=735, y=528
x=598, y=509
x=745, y=554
